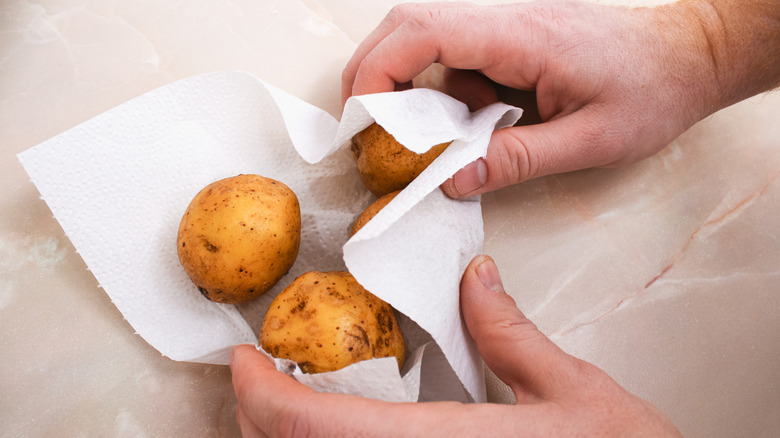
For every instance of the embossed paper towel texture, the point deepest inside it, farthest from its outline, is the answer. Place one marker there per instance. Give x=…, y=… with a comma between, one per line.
x=119, y=183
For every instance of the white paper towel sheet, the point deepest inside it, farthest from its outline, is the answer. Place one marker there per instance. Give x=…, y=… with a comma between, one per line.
x=120, y=182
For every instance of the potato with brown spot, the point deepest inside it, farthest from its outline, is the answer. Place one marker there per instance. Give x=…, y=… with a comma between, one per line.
x=239, y=236
x=386, y=165
x=325, y=321
x=371, y=211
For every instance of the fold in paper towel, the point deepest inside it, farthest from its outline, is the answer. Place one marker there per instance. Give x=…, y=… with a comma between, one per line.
x=119, y=183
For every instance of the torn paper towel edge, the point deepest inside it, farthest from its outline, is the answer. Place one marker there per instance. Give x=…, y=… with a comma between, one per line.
x=234, y=331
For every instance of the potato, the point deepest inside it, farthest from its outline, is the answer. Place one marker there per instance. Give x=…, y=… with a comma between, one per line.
x=325, y=321
x=239, y=236
x=386, y=165
x=371, y=211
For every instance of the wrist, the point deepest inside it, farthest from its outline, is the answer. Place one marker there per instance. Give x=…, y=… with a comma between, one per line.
x=684, y=78
x=736, y=43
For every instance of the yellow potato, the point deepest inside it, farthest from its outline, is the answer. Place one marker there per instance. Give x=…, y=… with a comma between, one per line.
x=239, y=236
x=325, y=321
x=386, y=165
x=371, y=211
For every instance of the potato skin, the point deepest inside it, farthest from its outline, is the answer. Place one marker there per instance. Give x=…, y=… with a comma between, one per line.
x=386, y=165
x=239, y=236
x=325, y=321
x=371, y=211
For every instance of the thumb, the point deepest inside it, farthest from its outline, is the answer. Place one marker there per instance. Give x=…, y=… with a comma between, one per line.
x=511, y=345
x=519, y=153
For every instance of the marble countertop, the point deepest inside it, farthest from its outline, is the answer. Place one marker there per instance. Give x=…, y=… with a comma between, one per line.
x=665, y=273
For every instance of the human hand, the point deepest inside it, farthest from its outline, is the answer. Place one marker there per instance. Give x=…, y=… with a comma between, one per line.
x=613, y=84
x=557, y=394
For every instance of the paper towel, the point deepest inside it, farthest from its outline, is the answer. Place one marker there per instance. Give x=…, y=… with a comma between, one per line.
x=119, y=183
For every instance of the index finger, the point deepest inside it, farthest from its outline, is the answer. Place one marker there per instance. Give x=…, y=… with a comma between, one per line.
x=405, y=43
x=397, y=15
x=278, y=405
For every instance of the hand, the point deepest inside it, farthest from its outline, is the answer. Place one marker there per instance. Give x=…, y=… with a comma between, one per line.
x=557, y=394
x=613, y=84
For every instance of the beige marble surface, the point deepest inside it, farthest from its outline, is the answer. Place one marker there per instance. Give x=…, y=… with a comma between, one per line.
x=665, y=273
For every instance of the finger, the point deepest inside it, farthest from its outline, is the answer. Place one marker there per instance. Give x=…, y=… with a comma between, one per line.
x=398, y=58
x=516, y=154
x=511, y=345
x=443, y=35
x=387, y=25
x=469, y=87
x=278, y=405
x=392, y=20
x=273, y=404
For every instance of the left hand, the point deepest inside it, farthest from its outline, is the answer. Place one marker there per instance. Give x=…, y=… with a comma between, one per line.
x=557, y=394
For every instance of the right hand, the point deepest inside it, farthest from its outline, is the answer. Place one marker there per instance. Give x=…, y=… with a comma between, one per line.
x=613, y=84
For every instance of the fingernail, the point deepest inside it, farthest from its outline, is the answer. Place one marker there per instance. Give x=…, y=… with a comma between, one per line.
x=471, y=177
x=487, y=271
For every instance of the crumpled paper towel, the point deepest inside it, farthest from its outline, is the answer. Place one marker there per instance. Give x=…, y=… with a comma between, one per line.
x=120, y=182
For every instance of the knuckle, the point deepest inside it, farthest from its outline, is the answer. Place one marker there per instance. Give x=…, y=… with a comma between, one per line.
x=557, y=13
x=421, y=18
x=520, y=331
x=419, y=22
x=520, y=164
x=401, y=12
x=509, y=324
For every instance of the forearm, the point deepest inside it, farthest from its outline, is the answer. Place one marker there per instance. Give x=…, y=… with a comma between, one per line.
x=739, y=41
